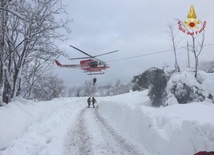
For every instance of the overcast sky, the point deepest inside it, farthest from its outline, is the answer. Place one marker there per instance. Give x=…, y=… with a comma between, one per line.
x=135, y=28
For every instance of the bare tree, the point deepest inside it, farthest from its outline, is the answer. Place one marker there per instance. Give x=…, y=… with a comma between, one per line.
x=3, y=4
x=78, y=91
x=48, y=87
x=34, y=71
x=28, y=41
x=117, y=86
x=172, y=36
x=197, y=51
x=197, y=37
x=207, y=66
x=192, y=24
x=71, y=91
x=108, y=89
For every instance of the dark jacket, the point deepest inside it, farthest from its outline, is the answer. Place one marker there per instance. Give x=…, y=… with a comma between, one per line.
x=93, y=100
x=89, y=100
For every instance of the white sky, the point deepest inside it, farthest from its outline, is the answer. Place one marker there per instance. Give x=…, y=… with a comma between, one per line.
x=134, y=28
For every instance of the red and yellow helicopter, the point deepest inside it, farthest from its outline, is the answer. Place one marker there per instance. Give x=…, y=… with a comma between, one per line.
x=90, y=64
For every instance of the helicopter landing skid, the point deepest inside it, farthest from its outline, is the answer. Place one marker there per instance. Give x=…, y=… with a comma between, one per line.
x=96, y=73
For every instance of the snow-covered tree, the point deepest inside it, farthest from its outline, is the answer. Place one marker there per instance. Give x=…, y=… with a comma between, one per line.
x=157, y=87
x=185, y=88
x=33, y=72
x=155, y=80
x=3, y=5
x=48, y=87
x=28, y=43
x=142, y=81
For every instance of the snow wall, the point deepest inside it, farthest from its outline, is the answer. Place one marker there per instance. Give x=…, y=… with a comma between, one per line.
x=159, y=131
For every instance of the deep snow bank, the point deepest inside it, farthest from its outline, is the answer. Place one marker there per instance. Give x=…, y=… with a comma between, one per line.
x=176, y=129
x=40, y=119
x=17, y=116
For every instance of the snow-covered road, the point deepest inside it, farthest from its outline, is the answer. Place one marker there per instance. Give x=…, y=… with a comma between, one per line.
x=92, y=135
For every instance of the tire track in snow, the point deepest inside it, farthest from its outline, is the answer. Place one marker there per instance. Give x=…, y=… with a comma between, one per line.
x=78, y=141
x=92, y=135
x=124, y=148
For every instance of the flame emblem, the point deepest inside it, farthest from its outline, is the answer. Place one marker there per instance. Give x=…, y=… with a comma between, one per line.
x=192, y=21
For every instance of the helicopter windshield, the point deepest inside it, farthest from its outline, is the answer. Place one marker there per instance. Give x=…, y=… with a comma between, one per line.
x=102, y=63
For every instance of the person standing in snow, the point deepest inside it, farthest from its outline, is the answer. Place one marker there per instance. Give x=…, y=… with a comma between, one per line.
x=89, y=101
x=94, y=81
x=93, y=101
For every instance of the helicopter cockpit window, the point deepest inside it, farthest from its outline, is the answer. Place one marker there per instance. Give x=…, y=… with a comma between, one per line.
x=93, y=64
x=100, y=63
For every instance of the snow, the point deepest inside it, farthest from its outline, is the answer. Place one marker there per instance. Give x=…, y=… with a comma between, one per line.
x=123, y=124
x=181, y=128
x=204, y=82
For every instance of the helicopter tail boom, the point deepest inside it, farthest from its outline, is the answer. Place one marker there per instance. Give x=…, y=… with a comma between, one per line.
x=67, y=65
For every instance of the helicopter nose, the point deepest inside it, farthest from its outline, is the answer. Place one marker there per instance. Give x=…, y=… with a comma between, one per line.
x=107, y=66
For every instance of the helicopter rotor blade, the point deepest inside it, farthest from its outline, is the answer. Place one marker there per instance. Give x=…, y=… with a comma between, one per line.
x=106, y=53
x=82, y=51
x=90, y=56
x=78, y=58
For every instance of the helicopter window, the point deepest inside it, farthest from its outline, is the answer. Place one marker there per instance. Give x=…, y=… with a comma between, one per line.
x=93, y=64
x=100, y=63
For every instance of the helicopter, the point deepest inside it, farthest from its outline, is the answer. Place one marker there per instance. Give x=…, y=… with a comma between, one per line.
x=89, y=64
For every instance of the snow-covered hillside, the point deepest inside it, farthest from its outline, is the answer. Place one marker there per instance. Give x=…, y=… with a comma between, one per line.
x=123, y=124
